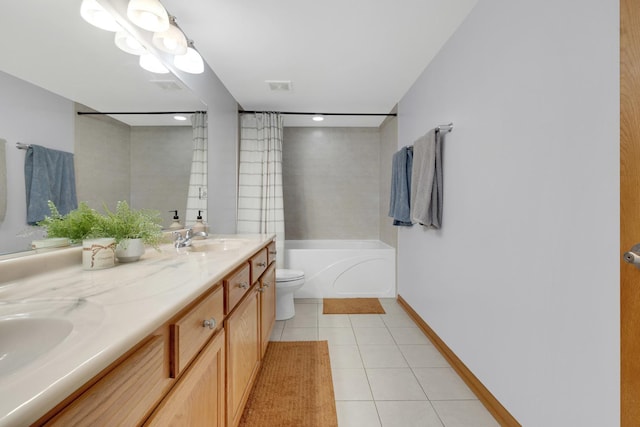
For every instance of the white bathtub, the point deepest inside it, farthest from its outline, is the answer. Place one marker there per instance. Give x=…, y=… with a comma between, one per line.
x=343, y=268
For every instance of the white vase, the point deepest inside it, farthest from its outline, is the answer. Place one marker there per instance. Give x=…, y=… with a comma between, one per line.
x=129, y=250
x=98, y=253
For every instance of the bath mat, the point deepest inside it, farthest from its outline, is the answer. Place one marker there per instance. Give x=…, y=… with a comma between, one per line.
x=293, y=388
x=352, y=306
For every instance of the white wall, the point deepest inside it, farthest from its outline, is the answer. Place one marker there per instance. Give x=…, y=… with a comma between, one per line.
x=522, y=280
x=30, y=115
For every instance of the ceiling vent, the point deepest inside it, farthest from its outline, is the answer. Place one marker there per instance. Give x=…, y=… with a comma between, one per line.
x=279, y=85
x=167, y=84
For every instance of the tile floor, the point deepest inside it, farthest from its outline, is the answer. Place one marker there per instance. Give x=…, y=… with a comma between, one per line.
x=386, y=373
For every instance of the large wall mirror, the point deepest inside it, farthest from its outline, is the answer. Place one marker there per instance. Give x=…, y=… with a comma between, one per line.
x=54, y=64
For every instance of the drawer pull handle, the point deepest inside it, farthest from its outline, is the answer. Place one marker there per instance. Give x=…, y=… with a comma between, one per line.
x=211, y=323
x=272, y=252
x=266, y=285
x=261, y=264
x=260, y=290
x=243, y=285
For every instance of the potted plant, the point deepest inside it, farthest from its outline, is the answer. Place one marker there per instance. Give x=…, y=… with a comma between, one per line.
x=132, y=229
x=75, y=226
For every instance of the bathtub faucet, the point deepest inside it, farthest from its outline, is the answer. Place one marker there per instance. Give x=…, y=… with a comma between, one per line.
x=180, y=242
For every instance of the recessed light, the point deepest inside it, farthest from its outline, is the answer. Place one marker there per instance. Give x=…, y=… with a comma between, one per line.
x=318, y=118
x=180, y=118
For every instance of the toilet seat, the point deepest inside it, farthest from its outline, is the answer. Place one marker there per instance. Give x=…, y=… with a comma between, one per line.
x=285, y=275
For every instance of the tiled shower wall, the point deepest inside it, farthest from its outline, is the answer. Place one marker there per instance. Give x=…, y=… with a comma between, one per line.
x=147, y=166
x=331, y=180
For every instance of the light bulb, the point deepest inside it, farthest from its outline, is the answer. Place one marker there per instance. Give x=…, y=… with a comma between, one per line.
x=190, y=62
x=149, y=15
x=128, y=43
x=97, y=16
x=171, y=41
x=153, y=64
x=317, y=118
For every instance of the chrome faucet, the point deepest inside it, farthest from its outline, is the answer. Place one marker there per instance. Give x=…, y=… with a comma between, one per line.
x=180, y=241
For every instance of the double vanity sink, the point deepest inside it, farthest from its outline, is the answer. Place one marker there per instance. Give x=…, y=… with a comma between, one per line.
x=61, y=327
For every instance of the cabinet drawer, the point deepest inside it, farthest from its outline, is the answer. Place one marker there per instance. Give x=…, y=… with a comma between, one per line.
x=190, y=333
x=271, y=252
x=236, y=285
x=258, y=264
x=124, y=395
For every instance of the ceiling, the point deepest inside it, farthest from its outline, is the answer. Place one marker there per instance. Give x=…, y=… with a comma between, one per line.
x=356, y=56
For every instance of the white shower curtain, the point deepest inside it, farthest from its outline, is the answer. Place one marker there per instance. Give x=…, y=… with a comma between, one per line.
x=197, y=195
x=260, y=203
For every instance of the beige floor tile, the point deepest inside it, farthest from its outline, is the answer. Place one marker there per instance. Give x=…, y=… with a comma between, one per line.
x=351, y=384
x=465, y=413
x=357, y=414
x=423, y=356
x=382, y=356
x=398, y=320
x=407, y=414
x=394, y=384
x=302, y=321
x=334, y=321
x=366, y=321
x=337, y=336
x=299, y=334
x=409, y=336
x=345, y=357
x=443, y=384
x=371, y=336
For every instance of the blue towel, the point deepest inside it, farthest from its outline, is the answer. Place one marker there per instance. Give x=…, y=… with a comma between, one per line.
x=427, y=185
x=400, y=203
x=49, y=175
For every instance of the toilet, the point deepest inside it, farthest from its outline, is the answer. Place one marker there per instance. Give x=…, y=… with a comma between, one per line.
x=287, y=282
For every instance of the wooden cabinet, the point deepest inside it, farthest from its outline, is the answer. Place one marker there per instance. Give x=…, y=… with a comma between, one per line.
x=235, y=286
x=258, y=264
x=197, y=400
x=125, y=395
x=190, y=332
x=243, y=354
x=271, y=252
x=267, y=306
x=196, y=369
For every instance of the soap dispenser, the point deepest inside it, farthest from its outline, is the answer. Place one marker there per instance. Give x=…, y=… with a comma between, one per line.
x=175, y=225
x=199, y=226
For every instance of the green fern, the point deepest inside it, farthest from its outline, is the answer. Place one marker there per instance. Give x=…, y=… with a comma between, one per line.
x=127, y=223
x=76, y=225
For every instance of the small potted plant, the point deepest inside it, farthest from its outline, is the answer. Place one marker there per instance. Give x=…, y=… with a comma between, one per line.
x=132, y=229
x=77, y=225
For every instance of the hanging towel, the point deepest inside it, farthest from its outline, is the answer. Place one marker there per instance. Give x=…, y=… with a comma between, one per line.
x=426, y=181
x=3, y=180
x=399, y=202
x=49, y=175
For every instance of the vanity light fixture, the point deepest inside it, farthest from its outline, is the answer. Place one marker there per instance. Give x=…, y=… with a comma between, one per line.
x=317, y=118
x=172, y=40
x=191, y=62
x=129, y=44
x=148, y=14
x=152, y=64
x=97, y=16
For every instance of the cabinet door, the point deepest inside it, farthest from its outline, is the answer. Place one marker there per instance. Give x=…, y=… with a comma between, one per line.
x=198, y=397
x=125, y=395
x=267, y=306
x=243, y=354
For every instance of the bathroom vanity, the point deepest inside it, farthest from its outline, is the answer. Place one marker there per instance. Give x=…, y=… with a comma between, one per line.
x=174, y=339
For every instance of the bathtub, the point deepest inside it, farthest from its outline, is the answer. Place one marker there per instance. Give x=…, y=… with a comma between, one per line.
x=343, y=268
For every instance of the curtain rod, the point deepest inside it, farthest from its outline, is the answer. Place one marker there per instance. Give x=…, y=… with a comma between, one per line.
x=300, y=113
x=87, y=113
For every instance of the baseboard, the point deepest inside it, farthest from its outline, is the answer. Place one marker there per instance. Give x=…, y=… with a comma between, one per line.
x=492, y=404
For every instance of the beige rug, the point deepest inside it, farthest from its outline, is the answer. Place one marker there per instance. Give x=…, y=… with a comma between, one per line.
x=352, y=306
x=293, y=388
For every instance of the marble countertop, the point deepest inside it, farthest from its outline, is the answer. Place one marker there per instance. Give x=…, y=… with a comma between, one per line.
x=111, y=310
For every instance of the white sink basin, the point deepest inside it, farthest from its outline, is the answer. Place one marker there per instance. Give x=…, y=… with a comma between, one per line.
x=209, y=245
x=23, y=340
x=33, y=329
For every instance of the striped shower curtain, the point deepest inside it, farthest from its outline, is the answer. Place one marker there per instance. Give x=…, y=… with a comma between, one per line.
x=197, y=195
x=260, y=203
